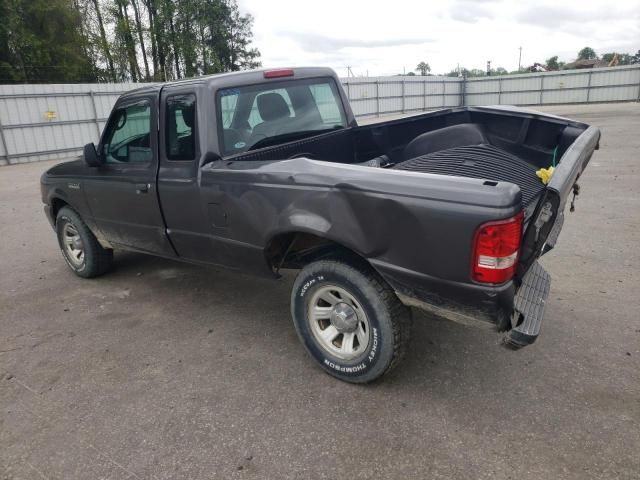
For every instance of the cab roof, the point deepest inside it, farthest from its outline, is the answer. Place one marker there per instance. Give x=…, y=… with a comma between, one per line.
x=237, y=79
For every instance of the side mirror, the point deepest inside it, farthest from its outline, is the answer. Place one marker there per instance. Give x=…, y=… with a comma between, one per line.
x=91, y=156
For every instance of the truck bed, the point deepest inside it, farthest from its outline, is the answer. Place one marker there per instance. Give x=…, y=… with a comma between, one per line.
x=480, y=161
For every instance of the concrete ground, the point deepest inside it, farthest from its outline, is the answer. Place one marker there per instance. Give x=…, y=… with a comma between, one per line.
x=168, y=371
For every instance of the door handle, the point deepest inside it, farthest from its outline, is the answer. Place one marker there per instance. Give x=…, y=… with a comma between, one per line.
x=142, y=187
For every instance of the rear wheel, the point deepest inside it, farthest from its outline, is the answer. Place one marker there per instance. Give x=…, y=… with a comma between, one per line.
x=349, y=320
x=80, y=248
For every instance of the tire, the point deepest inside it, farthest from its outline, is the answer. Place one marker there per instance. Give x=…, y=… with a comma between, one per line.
x=80, y=248
x=366, y=333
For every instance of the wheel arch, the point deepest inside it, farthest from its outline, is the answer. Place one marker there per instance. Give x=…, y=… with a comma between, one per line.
x=297, y=248
x=56, y=204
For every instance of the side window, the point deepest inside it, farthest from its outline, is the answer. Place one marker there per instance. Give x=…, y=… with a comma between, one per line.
x=180, y=129
x=327, y=103
x=228, y=103
x=128, y=137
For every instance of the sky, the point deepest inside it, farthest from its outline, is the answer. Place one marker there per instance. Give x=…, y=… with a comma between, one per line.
x=393, y=36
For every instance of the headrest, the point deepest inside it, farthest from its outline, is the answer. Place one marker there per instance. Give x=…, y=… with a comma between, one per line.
x=187, y=115
x=272, y=106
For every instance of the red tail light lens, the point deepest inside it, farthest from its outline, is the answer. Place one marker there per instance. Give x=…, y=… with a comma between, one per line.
x=495, y=250
x=285, y=72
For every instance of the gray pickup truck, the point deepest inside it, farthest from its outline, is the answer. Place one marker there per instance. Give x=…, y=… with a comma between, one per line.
x=267, y=170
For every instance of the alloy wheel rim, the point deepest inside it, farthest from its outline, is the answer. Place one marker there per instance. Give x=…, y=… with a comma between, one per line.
x=73, y=246
x=338, y=322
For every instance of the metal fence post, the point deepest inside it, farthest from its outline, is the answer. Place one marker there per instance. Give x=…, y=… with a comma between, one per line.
x=424, y=95
x=444, y=93
x=4, y=144
x=95, y=111
x=464, y=90
x=589, y=85
x=377, y=99
x=403, y=99
x=541, y=89
x=499, y=91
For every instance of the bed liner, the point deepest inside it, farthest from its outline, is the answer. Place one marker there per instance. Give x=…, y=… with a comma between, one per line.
x=480, y=161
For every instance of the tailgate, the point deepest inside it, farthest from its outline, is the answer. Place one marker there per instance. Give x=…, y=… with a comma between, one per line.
x=546, y=222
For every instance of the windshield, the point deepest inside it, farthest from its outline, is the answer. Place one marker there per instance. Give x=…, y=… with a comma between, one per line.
x=256, y=116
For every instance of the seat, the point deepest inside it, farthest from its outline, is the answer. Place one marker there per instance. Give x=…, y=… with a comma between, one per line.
x=274, y=112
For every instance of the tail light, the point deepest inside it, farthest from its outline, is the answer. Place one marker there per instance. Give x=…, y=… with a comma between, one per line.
x=495, y=250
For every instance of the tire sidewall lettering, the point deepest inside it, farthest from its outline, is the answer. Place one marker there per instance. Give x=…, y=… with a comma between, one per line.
x=309, y=283
x=369, y=358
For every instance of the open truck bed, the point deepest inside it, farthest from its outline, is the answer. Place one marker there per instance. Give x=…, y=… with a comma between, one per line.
x=499, y=149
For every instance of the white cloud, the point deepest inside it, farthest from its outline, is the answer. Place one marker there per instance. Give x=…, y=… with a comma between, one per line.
x=384, y=38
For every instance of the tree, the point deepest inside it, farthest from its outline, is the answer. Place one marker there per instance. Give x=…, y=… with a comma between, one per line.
x=139, y=28
x=552, y=63
x=122, y=40
x=423, y=68
x=125, y=39
x=620, y=58
x=587, y=53
x=103, y=43
x=474, y=72
x=34, y=48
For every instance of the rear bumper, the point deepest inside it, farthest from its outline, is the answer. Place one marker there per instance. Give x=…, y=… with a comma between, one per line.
x=505, y=307
x=462, y=302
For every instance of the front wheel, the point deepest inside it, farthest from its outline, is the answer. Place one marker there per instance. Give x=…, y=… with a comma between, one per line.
x=80, y=248
x=349, y=320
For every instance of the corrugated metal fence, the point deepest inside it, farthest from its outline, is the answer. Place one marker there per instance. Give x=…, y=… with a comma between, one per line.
x=39, y=122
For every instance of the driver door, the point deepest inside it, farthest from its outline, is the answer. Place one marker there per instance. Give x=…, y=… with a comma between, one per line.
x=121, y=193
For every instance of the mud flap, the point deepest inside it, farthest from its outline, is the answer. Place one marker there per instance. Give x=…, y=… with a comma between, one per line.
x=528, y=308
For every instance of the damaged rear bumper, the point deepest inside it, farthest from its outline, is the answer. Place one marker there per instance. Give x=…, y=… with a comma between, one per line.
x=504, y=307
x=469, y=304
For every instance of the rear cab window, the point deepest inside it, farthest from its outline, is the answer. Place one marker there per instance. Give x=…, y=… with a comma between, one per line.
x=274, y=112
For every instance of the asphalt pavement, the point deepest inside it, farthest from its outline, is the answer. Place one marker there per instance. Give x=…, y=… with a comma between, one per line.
x=162, y=370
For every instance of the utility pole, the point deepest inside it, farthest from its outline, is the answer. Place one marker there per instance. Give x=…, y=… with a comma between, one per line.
x=520, y=59
x=488, y=67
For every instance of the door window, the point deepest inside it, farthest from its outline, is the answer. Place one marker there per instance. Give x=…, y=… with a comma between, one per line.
x=128, y=137
x=180, y=129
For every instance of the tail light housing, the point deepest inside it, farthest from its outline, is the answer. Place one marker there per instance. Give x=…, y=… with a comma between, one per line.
x=496, y=247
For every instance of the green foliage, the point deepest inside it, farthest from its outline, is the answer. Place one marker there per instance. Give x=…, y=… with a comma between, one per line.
x=423, y=68
x=622, y=58
x=120, y=40
x=587, y=53
x=34, y=48
x=474, y=72
x=552, y=63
